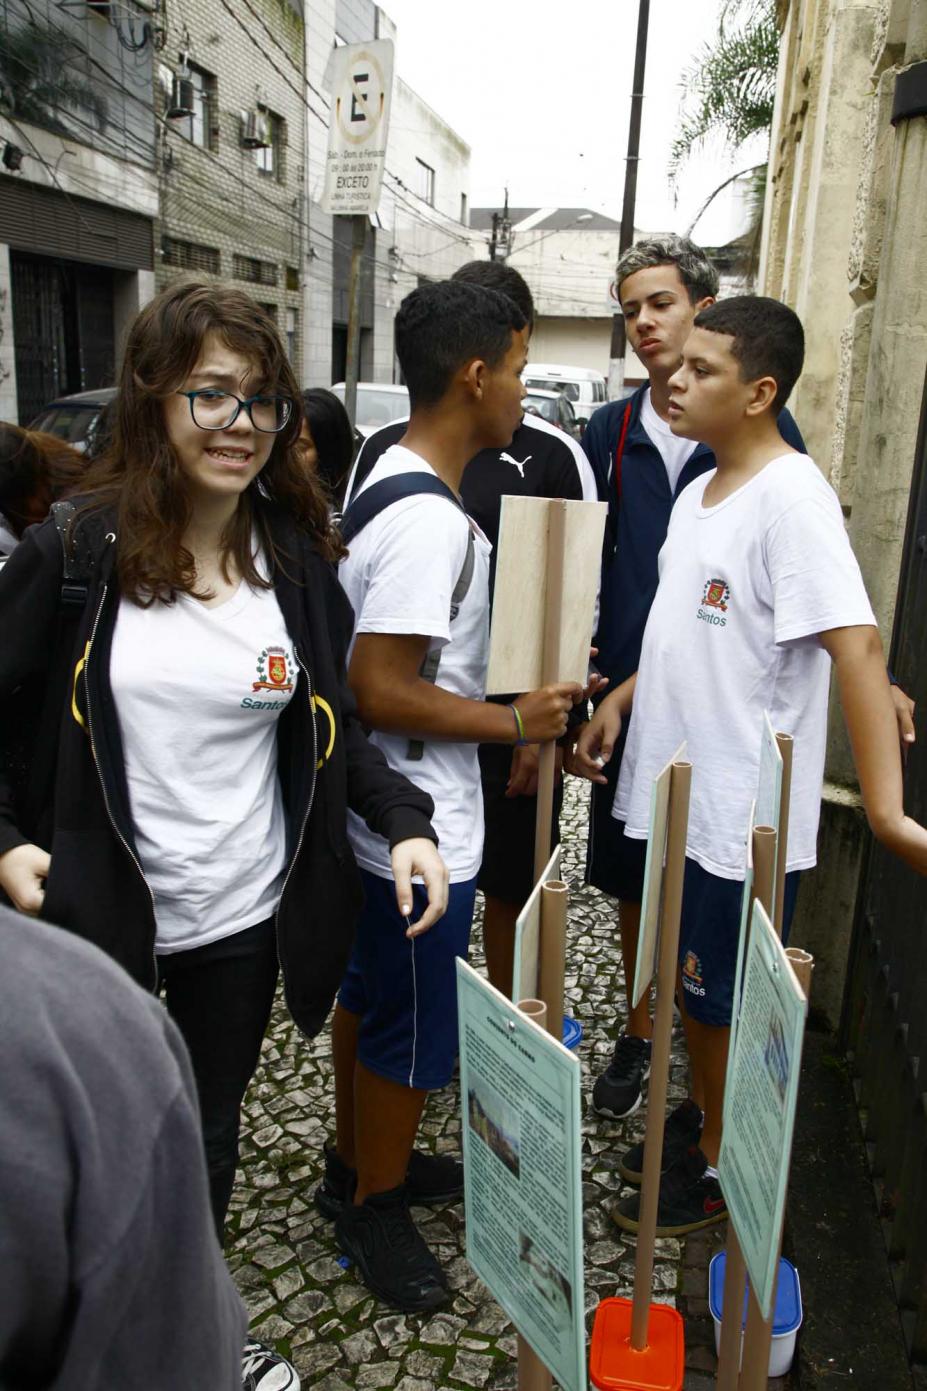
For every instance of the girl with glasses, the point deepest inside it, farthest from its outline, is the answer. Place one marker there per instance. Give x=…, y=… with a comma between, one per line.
x=184, y=635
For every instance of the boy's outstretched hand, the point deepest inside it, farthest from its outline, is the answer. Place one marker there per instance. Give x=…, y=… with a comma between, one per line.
x=595, y=742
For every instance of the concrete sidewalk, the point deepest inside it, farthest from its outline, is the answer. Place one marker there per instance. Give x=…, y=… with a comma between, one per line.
x=283, y=1253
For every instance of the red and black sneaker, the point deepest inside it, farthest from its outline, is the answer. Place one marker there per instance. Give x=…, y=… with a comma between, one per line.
x=689, y=1199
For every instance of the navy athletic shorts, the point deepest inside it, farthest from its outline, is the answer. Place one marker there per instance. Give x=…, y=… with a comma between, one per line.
x=708, y=937
x=405, y=989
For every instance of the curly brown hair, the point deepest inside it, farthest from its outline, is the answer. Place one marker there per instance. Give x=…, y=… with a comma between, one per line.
x=139, y=474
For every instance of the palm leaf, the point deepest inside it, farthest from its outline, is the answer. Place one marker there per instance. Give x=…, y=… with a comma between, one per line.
x=730, y=88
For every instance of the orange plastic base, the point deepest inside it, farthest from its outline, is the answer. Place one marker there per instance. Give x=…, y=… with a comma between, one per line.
x=613, y=1363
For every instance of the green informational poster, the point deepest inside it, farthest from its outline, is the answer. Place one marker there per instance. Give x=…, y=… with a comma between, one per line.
x=520, y=1098
x=527, y=955
x=759, y=1103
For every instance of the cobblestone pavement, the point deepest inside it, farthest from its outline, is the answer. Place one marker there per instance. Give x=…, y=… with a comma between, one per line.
x=283, y=1253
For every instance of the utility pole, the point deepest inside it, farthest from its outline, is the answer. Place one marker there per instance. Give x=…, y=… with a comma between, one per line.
x=626, y=235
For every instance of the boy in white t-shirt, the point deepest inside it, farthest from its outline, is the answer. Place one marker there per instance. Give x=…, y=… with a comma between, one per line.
x=462, y=348
x=759, y=591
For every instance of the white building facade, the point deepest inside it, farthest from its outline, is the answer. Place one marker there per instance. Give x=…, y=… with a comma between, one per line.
x=420, y=230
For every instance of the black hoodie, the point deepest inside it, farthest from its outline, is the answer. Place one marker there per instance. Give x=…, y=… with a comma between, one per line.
x=81, y=812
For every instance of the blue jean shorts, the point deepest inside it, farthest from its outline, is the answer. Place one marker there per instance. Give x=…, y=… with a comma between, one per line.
x=405, y=989
x=708, y=938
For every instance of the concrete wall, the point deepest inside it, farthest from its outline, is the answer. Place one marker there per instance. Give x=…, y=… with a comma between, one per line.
x=576, y=342
x=417, y=240
x=216, y=197
x=845, y=242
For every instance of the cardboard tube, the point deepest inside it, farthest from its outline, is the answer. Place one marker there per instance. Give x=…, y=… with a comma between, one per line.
x=536, y=1010
x=802, y=963
x=532, y=1373
x=735, y=1283
x=764, y=864
x=754, y=1374
x=670, y=910
x=550, y=672
x=785, y=744
x=554, y=899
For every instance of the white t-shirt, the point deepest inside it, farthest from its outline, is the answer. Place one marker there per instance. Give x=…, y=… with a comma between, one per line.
x=399, y=576
x=745, y=588
x=674, y=450
x=198, y=692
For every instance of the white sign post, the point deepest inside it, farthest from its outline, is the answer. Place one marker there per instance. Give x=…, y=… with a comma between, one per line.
x=360, y=78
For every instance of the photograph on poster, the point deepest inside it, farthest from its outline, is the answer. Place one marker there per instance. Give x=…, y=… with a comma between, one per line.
x=550, y=1283
x=496, y=1123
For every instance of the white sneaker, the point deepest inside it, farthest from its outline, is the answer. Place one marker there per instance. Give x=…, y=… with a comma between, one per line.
x=262, y=1369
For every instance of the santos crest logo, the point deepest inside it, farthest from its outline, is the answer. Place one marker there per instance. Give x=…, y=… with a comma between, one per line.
x=716, y=599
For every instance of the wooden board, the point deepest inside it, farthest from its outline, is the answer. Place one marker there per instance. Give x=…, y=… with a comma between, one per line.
x=519, y=600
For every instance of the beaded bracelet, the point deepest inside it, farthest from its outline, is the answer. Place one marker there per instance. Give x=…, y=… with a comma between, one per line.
x=520, y=739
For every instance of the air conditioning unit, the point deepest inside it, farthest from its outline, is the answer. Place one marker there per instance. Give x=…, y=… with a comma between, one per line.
x=182, y=99
x=255, y=130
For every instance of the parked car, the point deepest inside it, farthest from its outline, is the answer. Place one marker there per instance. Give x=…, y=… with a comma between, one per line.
x=76, y=419
x=378, y=403
x=583, y=388
x=555, y=408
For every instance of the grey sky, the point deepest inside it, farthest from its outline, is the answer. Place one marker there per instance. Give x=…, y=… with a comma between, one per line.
x=540, y=89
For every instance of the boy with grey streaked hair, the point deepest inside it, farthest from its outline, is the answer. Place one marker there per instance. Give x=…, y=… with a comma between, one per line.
x=641, y=467
x=696, y=271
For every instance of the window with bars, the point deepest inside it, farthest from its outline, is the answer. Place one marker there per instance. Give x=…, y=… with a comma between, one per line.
x=269, y=159
x=254, y=271
x=201, y=128
x=189, y=255
x=292, y=334
x=425, y=183
x=269, y=309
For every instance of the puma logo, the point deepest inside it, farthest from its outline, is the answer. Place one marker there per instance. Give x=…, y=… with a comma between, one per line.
x=517, y=463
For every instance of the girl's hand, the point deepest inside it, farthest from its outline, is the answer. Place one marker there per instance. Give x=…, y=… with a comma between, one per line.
x=419, y=856
x=23, y=871
x=596, y=741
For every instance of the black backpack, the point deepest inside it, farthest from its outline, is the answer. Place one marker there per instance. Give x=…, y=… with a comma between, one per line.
x=369, y=504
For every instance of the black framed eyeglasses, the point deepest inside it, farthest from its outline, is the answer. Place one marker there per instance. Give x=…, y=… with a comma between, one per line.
x=217, y=410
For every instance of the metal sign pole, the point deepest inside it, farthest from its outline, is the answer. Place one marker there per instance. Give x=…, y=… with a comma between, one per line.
x=352, y=366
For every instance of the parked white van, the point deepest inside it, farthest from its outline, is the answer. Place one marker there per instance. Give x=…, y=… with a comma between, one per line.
x=583, y=388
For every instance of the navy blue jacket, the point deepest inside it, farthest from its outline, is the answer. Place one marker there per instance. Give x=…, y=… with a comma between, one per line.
x=637, y=527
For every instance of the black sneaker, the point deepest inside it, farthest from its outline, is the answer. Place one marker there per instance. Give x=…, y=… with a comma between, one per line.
x=431, y=1179
x=262, y=1369
x=689, y=1199
x=683, y=1128
x=618, y=1092
x=390, y=1252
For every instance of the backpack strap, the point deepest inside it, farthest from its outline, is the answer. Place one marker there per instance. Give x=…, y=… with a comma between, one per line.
x=374, y=500
x=619, y=452
x=75, y=578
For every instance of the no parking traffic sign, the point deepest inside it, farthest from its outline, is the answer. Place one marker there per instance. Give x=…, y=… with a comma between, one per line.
x=360, y=78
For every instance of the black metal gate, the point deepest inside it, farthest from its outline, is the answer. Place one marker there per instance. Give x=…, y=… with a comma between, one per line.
x=62, y=329
x=885, y=1011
